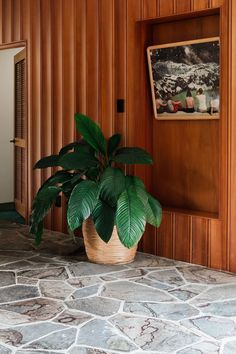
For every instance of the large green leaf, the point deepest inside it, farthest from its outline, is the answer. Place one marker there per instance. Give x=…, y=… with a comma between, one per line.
x=41, y=205
x=153, y=211
x=81, y=203
x=112, y=185
x=104, y=219
x=57, y=178
x=130, y=218
x=91, y=132
x=79, y=160
x=68, y=147
x=138, y=187
x=48, y=161
x=129, y=155
x=113, y=144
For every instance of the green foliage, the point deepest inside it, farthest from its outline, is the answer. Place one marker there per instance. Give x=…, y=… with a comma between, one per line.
x=86, y=193
x=130, y=155
x=91, y=133
x=103, y=216
x=96, y=188
x=48, y=161
x=130, y=217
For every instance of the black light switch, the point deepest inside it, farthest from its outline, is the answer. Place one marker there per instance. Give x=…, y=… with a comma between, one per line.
x=120, y=105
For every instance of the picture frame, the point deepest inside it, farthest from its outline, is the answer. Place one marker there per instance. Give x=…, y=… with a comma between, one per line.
x=185, y=79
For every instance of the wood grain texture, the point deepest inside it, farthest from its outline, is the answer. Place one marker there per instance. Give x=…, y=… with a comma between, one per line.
x=182, y=237
x=83, y=55
x=149, y=9
x=183, y=6
x=165, y=236
x=201, y=4
x=166, y=8
x=232, y=192
x=199, y=240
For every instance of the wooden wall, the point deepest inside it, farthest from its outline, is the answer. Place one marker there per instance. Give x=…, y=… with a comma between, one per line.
x=85, y=54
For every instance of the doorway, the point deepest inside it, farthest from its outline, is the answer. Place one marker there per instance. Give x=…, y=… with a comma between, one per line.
x=13, y=133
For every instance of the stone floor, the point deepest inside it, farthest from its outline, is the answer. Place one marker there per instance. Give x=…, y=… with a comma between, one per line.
x=53, y=301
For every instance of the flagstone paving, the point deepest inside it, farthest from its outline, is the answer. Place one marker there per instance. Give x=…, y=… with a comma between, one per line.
x=53, y=301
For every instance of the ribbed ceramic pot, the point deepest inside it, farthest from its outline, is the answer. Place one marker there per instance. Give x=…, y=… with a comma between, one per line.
x=100, y=252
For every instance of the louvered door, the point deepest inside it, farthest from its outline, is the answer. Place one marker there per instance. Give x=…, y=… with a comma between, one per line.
x=20, y=132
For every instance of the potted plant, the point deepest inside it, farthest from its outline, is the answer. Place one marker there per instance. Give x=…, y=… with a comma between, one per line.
x=113, y=207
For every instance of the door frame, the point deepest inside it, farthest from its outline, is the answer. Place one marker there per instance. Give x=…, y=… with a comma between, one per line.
x=12, y=45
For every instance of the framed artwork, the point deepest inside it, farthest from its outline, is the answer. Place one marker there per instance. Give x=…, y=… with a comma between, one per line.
x=185, y=79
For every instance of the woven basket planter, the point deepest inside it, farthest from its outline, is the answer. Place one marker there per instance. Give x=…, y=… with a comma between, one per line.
x=112, y=252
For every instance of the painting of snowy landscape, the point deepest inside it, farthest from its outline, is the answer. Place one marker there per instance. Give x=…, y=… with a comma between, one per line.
x=185, y=79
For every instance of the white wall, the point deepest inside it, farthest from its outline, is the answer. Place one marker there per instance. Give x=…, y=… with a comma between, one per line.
x=7, y=124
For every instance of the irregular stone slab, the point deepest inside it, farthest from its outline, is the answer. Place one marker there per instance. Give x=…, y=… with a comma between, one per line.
x=58, y=340
x=17, y=265
x=12, y=318
x=221, y=308
x=84, y=281
x=215, y=327
x=96, y=305
x=18, y=292
x=152, y=334
x=86, y=268
x=188, y=291
x=205, y=347
x=7, y=278
x=103, y=336
x=28, y=281
x=35, y=352
x=130, y=273
x=20, y=335
x=4, y=350
x=128, y=291
x=172, y=311
x=153, y=284
x=226, y=292
x=35, y=310
x=198, y=274
x=230, y=347
x=82, y=350
x=169, y=276
x=147, y=260
x=84, y=292
x=73, y=318
x=52, y=273
x=55, y=289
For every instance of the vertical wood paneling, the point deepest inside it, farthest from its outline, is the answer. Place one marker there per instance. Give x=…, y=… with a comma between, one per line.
x=182, y=237
x=57, y=97
x=215, y=255
x=232, y=192
x=165, y=236
x=106, y=65
x=80, y=48
x=46, y=77
x=216, y=3
x=7, y=21
x=183, y=6
x=92, y=55
x=121, y=65
x=201, y=4
x=167, y=8
x=16, y=20
x=83, y=55
x=200, y=232
x=68, y=77
x=35, y=92
x=150, y=9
